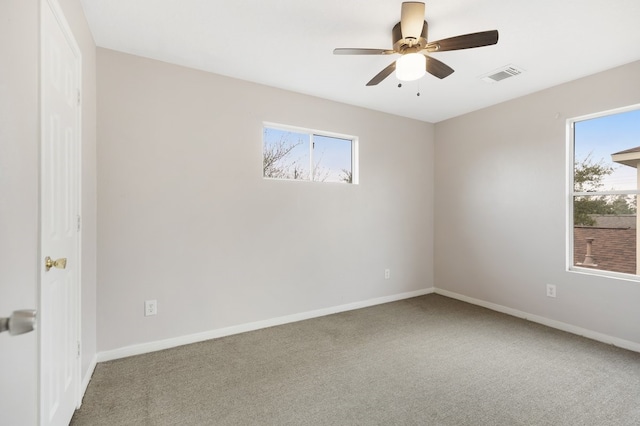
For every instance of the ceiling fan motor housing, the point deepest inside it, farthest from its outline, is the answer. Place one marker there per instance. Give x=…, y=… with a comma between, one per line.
x=408, y=45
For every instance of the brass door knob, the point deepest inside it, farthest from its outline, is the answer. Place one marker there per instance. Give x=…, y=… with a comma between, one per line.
x=58, y=263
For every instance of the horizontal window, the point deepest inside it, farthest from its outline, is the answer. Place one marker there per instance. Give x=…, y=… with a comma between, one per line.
x=308, y=155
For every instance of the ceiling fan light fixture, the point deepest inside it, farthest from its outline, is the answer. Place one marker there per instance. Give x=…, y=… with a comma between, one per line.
x=411, y=66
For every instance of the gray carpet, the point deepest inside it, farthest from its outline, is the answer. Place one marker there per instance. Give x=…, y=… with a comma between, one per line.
x=429, y=360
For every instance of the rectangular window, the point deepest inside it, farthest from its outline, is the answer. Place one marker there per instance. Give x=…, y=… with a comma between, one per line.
x=605, y=164
x=300, y=154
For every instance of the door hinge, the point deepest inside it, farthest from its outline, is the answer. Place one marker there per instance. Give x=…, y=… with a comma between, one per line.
x=78, y=349
x=78, y=96
x=79, y=223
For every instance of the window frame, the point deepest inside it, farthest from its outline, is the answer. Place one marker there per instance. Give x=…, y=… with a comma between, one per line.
x=355, y=175
x=571, y=194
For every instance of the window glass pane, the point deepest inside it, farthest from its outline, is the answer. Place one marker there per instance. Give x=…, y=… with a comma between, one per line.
x=607, y=152
x=332, y=159
x=589, y=211
x=604, y=233
x=285, y=154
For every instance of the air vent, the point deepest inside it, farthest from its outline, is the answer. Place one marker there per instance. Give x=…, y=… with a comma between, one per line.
x=500, y=74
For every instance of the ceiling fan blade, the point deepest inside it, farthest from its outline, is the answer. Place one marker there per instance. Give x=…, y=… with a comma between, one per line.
x=411, y=19
x=466, y=41
x=438, y=68
x=382, y=74
x=356, y=51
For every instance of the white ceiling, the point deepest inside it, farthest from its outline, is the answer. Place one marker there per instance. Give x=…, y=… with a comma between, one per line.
x=289, y=44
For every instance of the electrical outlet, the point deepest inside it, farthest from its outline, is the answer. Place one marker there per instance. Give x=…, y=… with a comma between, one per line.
x=387, y=274
x=150, y=307
x=551, y=290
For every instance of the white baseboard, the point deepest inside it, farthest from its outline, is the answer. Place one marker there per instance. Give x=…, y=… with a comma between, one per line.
x=87, y=378
x=227, y=331
x=590, y=334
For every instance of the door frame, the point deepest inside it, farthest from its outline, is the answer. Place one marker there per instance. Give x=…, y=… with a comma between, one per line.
x=77, y=176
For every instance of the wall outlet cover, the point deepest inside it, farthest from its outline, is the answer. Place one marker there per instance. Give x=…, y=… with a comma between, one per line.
x=150, y=307
x=551, y=290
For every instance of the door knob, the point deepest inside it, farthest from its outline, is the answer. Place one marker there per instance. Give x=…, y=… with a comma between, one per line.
x=58, y=263
x=19, y=322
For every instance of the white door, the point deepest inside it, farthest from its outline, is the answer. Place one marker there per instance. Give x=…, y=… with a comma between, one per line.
x=60, y=216
x=19, y=130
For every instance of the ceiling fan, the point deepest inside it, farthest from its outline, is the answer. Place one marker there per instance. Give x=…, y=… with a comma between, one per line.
x=410, y=40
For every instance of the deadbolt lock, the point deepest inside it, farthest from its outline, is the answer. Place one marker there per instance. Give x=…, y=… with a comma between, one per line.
x=58, y=263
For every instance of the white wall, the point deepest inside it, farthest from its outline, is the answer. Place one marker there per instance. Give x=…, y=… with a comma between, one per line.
x=500, y=206
x=186, y=218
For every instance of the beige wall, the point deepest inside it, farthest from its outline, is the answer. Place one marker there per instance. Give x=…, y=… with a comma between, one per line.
x=186, y=218
x=500, y=206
